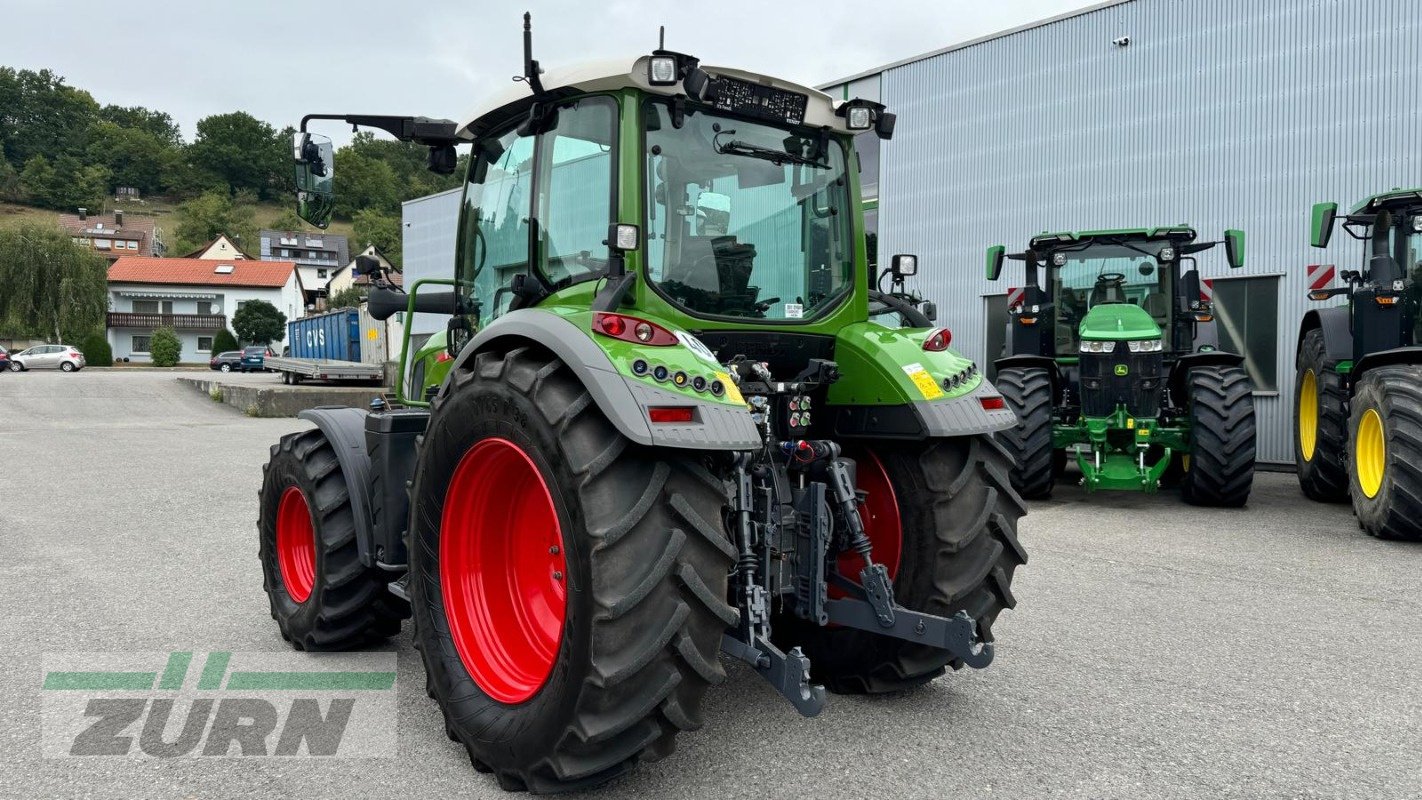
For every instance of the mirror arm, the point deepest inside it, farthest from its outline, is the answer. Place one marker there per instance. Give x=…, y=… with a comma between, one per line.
x=420, y=130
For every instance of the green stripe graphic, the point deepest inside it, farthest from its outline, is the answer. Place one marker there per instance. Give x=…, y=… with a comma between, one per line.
x=312, y=681
x=176, y=671
x=213, y=670
x=100, y=681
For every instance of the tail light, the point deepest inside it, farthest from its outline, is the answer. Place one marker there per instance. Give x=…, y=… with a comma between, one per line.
x=938, y=340
x=993, y=402
x=443, y=357
x=670, y=414
x=632, y=329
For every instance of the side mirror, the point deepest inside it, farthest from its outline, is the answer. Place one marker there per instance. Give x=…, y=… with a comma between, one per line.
x=366, y=265
x=1322, y=227
x=903, y=266
x=930, y=310
x=315, y=171
x=994, y=261
x=1234, y=248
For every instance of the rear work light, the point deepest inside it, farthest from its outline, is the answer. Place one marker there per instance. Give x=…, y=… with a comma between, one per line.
x=670, y=414
x=632, y=329
x=938, y=340
x=993, y=402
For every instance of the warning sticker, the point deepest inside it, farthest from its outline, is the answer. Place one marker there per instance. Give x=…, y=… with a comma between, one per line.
x=927, y=386
x=794, y=310
x=733, y=392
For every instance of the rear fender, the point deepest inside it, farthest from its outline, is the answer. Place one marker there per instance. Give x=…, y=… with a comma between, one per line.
x=1385, y=358
x=1337, y=333
x=624, y=399
x=344, y=428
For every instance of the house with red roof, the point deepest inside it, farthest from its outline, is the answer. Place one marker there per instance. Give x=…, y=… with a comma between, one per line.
x=194, y=296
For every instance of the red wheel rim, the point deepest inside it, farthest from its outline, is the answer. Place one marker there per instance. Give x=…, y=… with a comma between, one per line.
x=296, y=544
x=502, y=570
x=880, y=513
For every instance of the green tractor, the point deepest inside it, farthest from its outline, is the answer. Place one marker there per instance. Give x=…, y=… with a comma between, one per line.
x=1358, y=396
x=669, y=428
x=1117, y=363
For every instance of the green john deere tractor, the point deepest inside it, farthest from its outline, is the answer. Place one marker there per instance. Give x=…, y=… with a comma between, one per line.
x=1358, y=397
x=1117, y=363
x=669, y=428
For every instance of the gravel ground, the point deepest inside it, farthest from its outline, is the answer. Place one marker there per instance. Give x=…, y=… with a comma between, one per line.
x=1157, y=650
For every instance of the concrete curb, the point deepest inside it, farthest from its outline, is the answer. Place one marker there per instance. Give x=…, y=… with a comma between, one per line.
x=279, y=400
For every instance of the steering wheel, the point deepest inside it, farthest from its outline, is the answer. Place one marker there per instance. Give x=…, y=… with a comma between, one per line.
x=1110, y=278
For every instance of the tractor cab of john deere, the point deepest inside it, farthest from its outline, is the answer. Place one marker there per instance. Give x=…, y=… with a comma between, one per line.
x=1101, y=354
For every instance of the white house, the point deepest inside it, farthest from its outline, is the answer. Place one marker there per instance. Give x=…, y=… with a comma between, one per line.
x=193, y=296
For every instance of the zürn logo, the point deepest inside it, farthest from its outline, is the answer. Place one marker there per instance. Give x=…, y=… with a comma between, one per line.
x=238, y=704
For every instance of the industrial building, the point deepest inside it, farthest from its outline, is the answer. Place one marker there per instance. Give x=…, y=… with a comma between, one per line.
x=1131, y=113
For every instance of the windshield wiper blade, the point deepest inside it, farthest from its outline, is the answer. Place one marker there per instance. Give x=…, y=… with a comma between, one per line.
x=735, y=147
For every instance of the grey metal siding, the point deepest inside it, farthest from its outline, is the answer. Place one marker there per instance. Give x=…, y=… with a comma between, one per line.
x=1218, y=114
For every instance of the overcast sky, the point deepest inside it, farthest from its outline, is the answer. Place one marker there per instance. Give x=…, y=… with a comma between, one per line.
x=279, y=59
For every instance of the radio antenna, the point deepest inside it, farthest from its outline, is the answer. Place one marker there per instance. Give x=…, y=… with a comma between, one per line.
x=661, y=37
x=531, y=70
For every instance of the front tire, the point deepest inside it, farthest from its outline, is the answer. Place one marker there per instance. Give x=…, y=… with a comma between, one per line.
x=1222, y=433
x=16, y=366
x=321, y=595
x=1320, y=424
x=1386, y=432
x=1028, y=392
x=951, y=531
x=634, y=614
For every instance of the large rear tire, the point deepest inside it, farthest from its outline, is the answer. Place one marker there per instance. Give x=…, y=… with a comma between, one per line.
x=951, y=544
x=638, y=606
x=321, y=595
x=1028, y=392
x=1386, y=432
x=1320, y=424
x=1222, y=433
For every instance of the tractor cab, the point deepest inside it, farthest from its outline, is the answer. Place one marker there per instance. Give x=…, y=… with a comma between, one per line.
x=1109, y=337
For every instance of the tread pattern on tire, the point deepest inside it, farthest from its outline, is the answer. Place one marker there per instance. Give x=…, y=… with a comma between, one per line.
x=659, y=560
x=1222, y=437
x=1325, y=478
x=1028, y=393
x=1396, y=511
x=351, y=605
x=957, y=495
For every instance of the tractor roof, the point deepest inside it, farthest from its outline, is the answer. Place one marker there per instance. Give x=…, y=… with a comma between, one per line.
x=631, y=72
x=1047, y=239
x=1390, y=197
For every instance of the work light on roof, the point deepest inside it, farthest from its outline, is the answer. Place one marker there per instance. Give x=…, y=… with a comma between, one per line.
x=1417, y=223
x=1059, y=259
x=858, y=118
x=661, y=70
x=1167, y=254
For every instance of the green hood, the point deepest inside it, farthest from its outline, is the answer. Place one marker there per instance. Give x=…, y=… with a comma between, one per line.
x=1116, y=321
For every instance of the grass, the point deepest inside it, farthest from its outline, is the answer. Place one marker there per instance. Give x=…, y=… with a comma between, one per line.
x=165, y=213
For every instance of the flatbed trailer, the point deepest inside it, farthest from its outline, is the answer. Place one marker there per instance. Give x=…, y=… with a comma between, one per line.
x=296, y=370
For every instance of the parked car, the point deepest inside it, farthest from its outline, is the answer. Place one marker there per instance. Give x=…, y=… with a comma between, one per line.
x=48, y=356
x=226, y=362
x=4, y=359
x=254, y=358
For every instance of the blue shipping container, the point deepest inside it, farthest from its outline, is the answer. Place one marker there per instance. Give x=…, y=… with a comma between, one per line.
x=326, y=337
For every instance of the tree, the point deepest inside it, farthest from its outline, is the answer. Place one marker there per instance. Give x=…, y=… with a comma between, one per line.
x=165, y=348
x=259, y=322
x=202, y=219
x=381, y=230
x=349, y=297
x=244, y=152
x=40, y=115
x=133, y=156
x=224, y=342
x=66, y=184
x=53, y=288
x=287, y=220
x=154, y=123
x=365, y=184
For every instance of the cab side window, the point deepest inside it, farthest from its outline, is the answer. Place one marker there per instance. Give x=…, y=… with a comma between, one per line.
x=575, y=204
x=496, y=222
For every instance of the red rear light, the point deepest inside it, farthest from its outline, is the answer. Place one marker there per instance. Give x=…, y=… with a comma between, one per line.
x=670, y=414
x=632, y=329
x=938, y=340
x=443, y=357
x=993, y=402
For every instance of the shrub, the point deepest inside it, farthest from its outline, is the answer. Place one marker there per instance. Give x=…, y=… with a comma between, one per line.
x=96, y=350
x=165, y=347
x=223, y=342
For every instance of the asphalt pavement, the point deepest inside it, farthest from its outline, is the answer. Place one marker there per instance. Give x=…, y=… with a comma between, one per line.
x=1157, y=650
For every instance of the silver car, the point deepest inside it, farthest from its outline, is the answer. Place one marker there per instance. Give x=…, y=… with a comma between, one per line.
x=48, y=356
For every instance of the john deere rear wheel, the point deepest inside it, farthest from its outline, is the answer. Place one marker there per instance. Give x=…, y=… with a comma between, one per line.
x=942, y=516
x=1221, y=465
x=1386, y=431
x=568, y=585
x=1028, y=392
x=1320, y=424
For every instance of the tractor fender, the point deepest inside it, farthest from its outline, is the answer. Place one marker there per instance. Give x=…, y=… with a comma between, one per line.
x=623, y=400
x=1180, y=370
x=344, y=428
x=1029, y=362
x=1337, y=333
x=1384, y=358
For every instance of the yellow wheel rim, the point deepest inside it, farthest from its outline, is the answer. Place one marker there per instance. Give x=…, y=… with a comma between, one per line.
x=1308, y=415
x=1370, y=453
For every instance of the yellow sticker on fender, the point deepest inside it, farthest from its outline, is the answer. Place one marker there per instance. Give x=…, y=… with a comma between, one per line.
x=927, y=386
x=733, y=393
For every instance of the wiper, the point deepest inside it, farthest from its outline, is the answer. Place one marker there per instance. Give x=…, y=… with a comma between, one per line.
x=779, y=158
